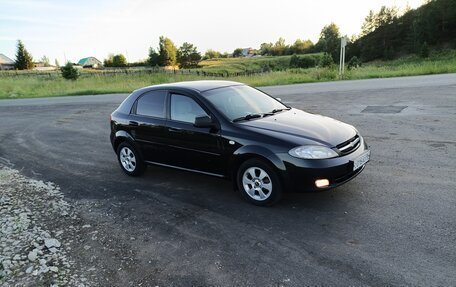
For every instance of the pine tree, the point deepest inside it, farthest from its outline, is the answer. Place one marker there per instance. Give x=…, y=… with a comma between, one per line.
x=24, y=60
x=369, y=24
x=69, y=72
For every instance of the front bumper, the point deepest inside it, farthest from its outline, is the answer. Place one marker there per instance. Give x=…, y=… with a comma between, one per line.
x=300, y=174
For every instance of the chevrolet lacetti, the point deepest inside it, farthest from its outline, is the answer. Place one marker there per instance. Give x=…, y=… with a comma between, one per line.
x=234, y=131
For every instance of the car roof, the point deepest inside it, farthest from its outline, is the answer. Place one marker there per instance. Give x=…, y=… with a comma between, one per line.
x=199, y=86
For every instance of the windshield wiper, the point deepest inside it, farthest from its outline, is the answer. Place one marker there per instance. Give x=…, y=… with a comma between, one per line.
x=247, y=117
x=279, y=110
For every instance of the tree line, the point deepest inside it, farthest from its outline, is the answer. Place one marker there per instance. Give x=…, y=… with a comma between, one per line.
x=188, y=56
x=386, y=34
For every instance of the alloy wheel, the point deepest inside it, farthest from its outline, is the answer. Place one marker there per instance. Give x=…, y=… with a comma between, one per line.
x=127, y=159
x=257, y=183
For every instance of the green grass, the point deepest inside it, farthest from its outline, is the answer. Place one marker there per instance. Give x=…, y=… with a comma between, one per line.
x=253, y=64
x=438, y=63
x=34, y=86
x=30, y=87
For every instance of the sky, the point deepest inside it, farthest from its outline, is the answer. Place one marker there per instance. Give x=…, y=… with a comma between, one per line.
x=70, y=30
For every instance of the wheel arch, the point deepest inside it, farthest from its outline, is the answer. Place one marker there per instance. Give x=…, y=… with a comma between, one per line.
x=256, y=152
x=120, y=137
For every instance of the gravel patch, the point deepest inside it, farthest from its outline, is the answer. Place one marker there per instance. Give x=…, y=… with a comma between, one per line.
x=37, y=228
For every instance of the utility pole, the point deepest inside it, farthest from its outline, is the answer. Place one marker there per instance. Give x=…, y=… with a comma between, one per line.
x=343, y=43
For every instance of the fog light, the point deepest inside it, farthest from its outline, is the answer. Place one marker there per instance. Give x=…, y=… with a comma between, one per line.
x=321, y=183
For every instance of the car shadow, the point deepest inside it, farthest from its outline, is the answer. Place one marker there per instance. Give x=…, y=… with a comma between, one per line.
x=217, y=194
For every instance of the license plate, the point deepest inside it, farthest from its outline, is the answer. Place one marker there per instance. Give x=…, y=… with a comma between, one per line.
x=361, y=160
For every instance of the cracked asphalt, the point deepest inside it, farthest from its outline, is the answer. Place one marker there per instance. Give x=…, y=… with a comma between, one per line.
x=392, y=225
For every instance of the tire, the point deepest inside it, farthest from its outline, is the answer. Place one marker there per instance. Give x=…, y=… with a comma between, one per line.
x=130, y=160
x=259, y=183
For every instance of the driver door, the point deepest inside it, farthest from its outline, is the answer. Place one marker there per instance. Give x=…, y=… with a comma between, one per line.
x=191, y=147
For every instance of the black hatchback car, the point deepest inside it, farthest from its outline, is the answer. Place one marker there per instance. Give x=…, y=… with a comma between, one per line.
x=231, y=130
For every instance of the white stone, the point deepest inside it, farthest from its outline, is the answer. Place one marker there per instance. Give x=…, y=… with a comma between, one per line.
x=29, y=270
x=51, y=242
x=54, y=269
x=44, y=269
x=6, y=263
x=32, y=255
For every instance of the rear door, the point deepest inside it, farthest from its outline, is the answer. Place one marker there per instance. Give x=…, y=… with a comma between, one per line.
x=191, y=147
x=148, y=121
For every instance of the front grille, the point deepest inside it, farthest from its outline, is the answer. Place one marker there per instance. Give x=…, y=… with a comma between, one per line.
x=349, y=146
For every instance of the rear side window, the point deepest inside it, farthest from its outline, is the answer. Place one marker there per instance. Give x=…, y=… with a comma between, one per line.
x=152, y=104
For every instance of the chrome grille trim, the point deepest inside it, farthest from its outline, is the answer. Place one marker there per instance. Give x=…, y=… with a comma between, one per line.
x=350, y=145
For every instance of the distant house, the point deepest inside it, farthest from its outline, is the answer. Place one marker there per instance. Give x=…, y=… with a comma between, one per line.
x=89, y=62
x=6, y=63
x=39, y=64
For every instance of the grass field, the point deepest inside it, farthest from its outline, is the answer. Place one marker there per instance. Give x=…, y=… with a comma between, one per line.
x=240, y=65
x=30, y=86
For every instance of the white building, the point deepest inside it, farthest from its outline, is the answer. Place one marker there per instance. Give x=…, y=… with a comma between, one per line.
x=89, y=62
x=6, y=63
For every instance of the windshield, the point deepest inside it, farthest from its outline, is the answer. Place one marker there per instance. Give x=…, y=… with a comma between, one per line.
x=240, y=101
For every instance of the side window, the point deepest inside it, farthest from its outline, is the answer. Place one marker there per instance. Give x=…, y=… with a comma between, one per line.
x=185, y=109
x=152, y=104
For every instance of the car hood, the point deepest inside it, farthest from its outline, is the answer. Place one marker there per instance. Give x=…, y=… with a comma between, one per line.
x=301, y=127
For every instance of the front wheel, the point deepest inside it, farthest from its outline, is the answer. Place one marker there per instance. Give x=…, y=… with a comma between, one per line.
x=259, y=183
x=129, y=159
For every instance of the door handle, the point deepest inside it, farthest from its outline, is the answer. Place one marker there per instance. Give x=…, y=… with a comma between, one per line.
x=133, y=123
x=174, y=130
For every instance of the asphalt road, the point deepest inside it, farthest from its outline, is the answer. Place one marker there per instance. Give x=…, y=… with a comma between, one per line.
x=395, y=224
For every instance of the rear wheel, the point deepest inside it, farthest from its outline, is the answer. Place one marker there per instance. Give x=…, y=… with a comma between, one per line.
x=259, y=183
x=129, y=159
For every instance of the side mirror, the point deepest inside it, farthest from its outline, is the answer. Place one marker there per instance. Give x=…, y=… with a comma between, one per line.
x=204, y=122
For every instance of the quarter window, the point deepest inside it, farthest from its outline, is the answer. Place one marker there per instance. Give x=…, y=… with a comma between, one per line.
x=152, y=104
x=185, y=109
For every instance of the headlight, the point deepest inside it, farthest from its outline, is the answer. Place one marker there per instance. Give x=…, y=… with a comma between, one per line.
x=312, y=152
